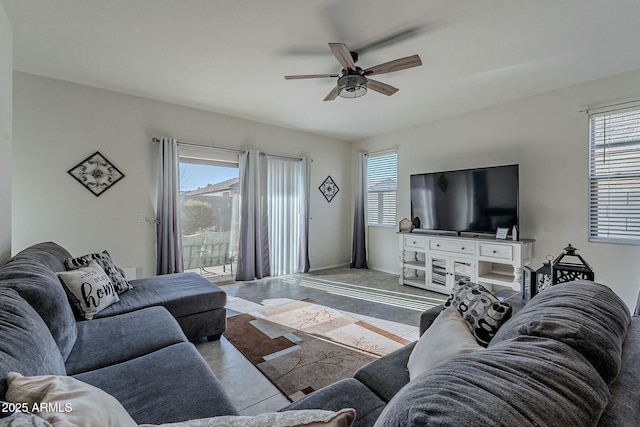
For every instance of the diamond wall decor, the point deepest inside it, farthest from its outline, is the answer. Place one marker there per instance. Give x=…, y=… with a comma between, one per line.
x=329, y=188
x=96, y=173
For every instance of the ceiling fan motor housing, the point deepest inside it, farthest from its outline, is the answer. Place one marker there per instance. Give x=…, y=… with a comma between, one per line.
x=352, y=83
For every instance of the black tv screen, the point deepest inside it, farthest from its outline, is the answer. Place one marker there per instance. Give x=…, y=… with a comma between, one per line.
x=466, y=201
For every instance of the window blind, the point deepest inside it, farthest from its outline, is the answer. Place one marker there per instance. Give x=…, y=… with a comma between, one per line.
x=382, y=185
x=614, y=176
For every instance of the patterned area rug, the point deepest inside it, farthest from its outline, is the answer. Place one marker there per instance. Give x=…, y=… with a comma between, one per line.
x=302, y=346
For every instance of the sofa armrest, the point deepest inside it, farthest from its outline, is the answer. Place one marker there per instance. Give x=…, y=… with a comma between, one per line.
x=387, y=375
x=428, y=316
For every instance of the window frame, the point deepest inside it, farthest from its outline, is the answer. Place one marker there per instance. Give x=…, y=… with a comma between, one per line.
x=607, y=136
x=381, y=201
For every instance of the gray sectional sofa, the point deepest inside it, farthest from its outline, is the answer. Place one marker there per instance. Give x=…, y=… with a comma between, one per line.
x=570, y=357
x=137, y=350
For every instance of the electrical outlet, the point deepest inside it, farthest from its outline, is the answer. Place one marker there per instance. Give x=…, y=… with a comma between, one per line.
x=140, y=218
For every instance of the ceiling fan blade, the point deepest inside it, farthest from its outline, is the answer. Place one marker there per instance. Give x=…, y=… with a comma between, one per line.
x=380, y=87
x=391, y=39
x=395, y=65
x=310, y=76
x=343, y=55
x=332, y=95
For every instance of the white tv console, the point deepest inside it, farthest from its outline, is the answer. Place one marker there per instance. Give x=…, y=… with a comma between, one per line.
x=437, y=262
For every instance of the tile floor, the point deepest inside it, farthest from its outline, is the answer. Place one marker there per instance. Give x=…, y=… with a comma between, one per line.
x=369, y=295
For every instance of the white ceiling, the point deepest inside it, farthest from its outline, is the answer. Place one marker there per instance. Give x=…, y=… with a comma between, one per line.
x=230, y=56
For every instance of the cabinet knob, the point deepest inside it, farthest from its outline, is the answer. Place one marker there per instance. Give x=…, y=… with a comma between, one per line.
x=437, y=245
x=494, y=251
x=463, y=248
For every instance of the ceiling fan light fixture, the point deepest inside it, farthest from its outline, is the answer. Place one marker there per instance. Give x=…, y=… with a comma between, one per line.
x=352, y=86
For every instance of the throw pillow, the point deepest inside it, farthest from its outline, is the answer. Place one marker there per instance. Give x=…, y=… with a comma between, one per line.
x=65, y=401
x=448, y=336
x=304, y=417
x=478, y=306
x=20, y=419
x=104, y=259
x=89, y=289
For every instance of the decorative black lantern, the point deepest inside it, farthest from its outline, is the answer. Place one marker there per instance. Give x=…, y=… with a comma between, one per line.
x=543, y=275
x=568, y=271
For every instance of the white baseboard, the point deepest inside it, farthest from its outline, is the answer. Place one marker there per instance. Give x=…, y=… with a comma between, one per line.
x=327, y=267
x=395, y=273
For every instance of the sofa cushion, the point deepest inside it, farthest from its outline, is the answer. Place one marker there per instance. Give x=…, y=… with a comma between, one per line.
x=347, y=393
x=387, y=375
x=448, y=336
x=519, y=382
x=178, y=373
x=94, y=347
x=623, y=409
x=181, y=293
x=587, y=316
x=32, y=273
x=26, y=345
x=104, y=259
x=478, y=306
x=65, y=401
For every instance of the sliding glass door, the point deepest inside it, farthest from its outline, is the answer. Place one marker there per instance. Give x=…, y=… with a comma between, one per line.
x=209, y=198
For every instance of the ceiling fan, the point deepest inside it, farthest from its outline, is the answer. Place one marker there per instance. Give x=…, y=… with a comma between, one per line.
x=353, y=81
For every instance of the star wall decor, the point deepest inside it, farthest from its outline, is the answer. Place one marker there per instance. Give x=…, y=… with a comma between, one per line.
x=96, y=173
x=329, y=189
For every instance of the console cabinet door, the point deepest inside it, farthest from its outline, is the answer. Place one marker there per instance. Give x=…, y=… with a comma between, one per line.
x=437, y=273
x=462, y=269
x=445, y=271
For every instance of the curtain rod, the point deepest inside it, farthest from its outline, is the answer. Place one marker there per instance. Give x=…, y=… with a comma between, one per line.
x=207, y=147
x=382, y=152
x=231, y=150
x=621, y=105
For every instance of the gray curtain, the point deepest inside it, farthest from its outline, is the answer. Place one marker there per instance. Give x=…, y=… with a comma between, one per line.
x=303, y=256
x=253, y=251
x=359, y=248
x=169, y=239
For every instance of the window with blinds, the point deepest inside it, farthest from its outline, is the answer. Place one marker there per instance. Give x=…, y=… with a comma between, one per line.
x=382, y=185
x=614, y=176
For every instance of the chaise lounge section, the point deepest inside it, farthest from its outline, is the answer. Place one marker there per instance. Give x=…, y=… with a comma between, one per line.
x=138, y=352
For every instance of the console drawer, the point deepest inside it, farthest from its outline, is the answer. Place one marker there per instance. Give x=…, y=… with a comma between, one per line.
x=451, y=246
x=502, y=252
x=411, y=242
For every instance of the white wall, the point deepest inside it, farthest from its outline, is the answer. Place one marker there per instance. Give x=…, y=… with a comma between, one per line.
x=548, y=137
x=6, y=94
x=57, y=124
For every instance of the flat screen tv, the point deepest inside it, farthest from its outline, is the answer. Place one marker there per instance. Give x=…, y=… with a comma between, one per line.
x=470, y=201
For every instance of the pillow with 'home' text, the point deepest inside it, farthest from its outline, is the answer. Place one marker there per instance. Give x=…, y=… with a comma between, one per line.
x=89, y=289
x=104, y=260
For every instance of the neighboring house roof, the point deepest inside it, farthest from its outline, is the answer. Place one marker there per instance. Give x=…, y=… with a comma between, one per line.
x=387, y=184
x=232, y=184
